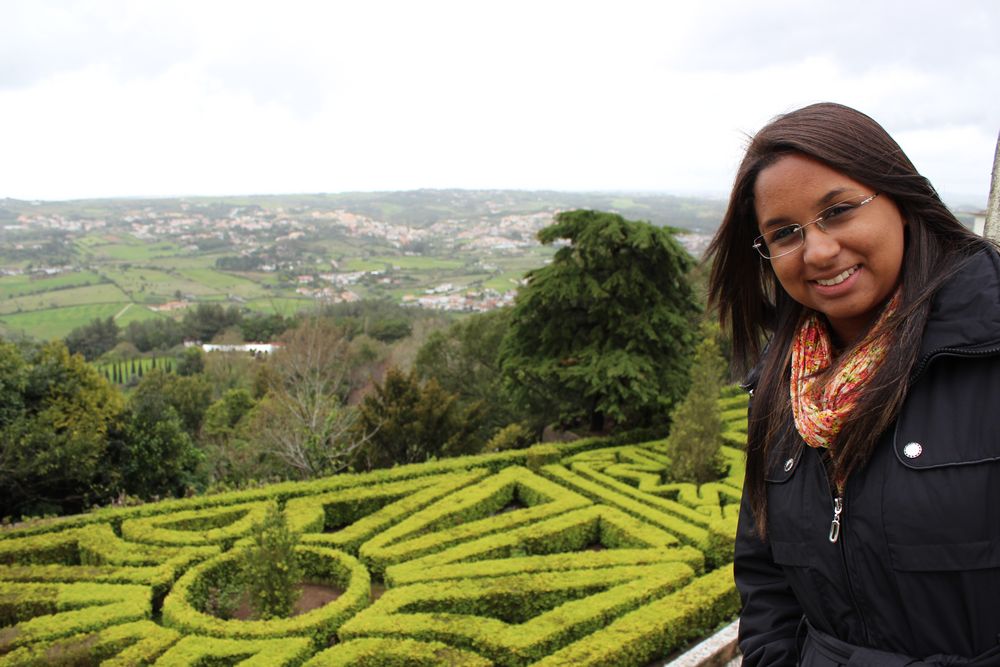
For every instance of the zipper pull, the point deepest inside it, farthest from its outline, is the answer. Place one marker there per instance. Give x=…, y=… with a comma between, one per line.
x=838, y=507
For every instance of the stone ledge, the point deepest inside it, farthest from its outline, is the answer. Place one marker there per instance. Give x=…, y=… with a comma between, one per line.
x=719, y=650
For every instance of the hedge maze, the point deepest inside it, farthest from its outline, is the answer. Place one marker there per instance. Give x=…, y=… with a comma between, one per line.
x=557, y=555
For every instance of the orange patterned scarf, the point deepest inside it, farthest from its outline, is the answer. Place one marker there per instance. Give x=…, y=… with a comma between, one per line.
x=820, y=409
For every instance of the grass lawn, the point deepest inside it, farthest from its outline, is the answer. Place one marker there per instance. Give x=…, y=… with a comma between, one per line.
x=135, y=313
x=356, y=264
x=137, y=251
x=72, y=296
x=417, y=262
x=222, y=282
x=57, y=322
x=504, y=282
x=12, y=286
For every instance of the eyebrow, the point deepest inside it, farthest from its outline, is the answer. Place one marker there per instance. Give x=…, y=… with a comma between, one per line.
x=830, y=198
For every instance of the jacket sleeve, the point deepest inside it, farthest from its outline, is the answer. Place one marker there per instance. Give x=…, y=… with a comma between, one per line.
x=770, y=614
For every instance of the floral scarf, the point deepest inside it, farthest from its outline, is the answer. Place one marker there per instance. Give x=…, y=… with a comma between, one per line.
x=820, y=409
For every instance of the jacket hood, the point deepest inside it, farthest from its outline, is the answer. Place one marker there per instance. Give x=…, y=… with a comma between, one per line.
x=965, y=312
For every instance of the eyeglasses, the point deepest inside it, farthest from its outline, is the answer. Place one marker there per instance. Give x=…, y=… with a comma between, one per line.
x=788, y=239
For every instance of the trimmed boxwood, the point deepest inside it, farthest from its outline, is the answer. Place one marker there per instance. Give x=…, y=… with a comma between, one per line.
x=216, y=525
x=386, y=652
x=474, y=511
x=531, y=555
x=210, y=651
x=562, y=608
x=182, y=609
x=656, y=629
x=138, y=643
x=35, y=612
x=366, y=511
x=400, y=575
x=570, y=532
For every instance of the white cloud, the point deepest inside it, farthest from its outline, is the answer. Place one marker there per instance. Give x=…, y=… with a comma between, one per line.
x=118, y=98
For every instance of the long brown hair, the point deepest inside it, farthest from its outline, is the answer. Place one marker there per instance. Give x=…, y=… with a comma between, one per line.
x=762, y=318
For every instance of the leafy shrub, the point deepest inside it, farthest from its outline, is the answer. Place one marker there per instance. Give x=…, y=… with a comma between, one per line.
x=270, y=567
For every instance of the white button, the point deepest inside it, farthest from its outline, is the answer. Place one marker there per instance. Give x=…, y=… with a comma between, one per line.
x=913, y=450
x=788, y=464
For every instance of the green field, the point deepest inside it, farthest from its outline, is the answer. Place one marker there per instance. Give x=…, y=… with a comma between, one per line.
x=136, y=251
x=12, y=286
x=72, y=296
x=223, y=282
x=135, y=313
x=355, y=264
x=419, y=263
x=57, y=322
x=504, y=282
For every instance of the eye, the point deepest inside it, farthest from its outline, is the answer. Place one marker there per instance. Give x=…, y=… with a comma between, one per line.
x=838, y=210
x=784, y=234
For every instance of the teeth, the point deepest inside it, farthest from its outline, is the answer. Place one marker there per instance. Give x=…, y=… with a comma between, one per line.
x=836, y=280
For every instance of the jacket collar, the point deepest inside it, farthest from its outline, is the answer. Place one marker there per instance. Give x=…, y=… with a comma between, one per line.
x=965, y=312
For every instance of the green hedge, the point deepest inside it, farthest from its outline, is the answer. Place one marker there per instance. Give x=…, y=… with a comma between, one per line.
x=533, y=457
x=656, y=629
x=365, y=512
x=489, y=616
x=400, y=575
x=384, y=652
x=560, y=554
x=215, y=525
x=213, y=652
x=32, y=612
x=570, y=532
x=474, y=512
x=138, y=643
x=183, y=608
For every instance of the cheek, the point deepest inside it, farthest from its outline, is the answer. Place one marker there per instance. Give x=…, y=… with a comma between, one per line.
x=786, y=274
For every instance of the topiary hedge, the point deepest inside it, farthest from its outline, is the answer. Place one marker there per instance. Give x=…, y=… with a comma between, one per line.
x=560, y=554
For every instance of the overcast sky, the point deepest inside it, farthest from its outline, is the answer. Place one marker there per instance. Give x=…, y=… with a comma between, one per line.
x=135, y=98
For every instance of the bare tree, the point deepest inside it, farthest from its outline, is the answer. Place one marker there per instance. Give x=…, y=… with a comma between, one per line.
x=303, y=419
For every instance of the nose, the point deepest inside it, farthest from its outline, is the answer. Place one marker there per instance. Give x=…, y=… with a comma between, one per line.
x=820, y=247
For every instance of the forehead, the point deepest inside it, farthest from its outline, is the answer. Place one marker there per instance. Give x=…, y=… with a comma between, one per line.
x=797, y=185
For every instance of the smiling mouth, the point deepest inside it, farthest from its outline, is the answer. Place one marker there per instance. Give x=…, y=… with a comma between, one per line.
x=836, y=280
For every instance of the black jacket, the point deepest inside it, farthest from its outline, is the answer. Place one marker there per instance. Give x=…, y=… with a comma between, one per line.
x=916, y=568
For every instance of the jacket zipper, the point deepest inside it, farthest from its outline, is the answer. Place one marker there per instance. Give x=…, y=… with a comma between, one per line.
x=838, y=507
x=839, y=493
x=838, y=496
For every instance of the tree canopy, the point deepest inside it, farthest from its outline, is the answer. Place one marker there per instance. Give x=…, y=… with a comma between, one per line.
x=56, y=415
x=606, y=329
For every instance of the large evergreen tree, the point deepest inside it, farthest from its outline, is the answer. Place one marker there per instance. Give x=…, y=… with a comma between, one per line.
x=404, y=421
x=605, y=330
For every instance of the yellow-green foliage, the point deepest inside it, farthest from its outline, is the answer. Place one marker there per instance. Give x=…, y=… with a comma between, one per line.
x=137, y=643
x=32, y=612
x=379, y=652
x=183, y=608
x=197, y=651
x=559, y=554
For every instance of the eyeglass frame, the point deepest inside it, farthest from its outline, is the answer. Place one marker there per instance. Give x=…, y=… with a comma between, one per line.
x=759, y=245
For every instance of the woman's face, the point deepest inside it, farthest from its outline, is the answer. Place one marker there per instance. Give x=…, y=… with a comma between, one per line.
x=846, y=273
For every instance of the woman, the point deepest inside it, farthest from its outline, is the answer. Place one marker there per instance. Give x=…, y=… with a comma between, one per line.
x=870, y=525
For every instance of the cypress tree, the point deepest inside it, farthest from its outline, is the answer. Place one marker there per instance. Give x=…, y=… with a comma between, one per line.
x=696, y=431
